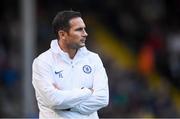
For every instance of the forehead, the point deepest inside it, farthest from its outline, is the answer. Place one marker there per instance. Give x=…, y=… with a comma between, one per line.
x=77, y=22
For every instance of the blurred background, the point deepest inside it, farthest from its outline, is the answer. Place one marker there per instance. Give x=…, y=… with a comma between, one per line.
x=138, y=41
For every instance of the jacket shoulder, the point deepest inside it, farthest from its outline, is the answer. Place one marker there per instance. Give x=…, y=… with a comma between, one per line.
x=93, y=56
x=45, y=56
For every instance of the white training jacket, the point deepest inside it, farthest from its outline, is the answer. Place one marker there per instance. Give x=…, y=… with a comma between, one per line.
x=73, y=77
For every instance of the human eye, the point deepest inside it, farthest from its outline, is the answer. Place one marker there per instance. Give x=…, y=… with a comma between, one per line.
x=79, y=29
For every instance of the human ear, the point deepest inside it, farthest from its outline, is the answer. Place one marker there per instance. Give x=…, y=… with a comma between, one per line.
x=61, y=34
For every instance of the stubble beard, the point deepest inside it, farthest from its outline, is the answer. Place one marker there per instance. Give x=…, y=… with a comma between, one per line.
x=76, y=46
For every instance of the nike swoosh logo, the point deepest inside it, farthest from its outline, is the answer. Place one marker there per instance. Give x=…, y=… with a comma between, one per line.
x=57, y=72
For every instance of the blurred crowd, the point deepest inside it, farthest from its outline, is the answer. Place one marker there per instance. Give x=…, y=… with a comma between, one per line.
x=150, y=28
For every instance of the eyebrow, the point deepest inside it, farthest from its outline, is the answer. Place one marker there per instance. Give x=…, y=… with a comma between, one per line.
x=79, y=28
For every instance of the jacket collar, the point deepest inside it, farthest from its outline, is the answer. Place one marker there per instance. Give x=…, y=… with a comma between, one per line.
x=56, y=49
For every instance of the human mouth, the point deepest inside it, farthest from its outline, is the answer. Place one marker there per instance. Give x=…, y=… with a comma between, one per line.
x=83, y=40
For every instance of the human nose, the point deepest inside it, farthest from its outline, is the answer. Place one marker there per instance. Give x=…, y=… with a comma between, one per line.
x=85, y=33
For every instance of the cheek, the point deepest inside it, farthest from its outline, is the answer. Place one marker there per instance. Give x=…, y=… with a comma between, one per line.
x=75, y=37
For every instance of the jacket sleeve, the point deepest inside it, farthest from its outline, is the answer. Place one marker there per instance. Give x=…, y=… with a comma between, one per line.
x=48, y=95
x=100, y=96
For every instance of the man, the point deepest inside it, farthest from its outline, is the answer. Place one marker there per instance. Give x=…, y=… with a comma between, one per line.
x=69, y=80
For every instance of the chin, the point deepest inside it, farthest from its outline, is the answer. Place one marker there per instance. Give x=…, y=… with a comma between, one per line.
x=82, y=45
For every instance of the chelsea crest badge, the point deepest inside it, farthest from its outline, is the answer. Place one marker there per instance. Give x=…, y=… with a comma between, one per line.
x=87, y=69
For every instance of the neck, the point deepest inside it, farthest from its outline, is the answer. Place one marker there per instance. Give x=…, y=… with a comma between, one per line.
x=71, y=52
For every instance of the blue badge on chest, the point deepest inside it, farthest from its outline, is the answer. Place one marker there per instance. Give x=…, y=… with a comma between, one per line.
x=87, y=69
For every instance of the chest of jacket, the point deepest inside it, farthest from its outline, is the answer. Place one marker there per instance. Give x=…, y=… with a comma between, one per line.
x=74, y=74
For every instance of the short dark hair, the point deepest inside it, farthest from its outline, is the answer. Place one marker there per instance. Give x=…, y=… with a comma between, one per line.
x=61, y=20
